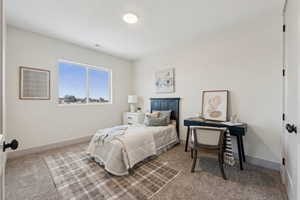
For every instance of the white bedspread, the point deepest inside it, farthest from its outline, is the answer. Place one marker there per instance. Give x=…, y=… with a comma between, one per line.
x=122, y=152
x=138, y=144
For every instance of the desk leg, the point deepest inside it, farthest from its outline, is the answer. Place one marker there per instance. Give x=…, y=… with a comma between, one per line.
x=187, y=138
x=240, y=152
x=243, y=150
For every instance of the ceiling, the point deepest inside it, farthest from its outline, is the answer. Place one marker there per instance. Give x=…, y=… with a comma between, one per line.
x=162, y=23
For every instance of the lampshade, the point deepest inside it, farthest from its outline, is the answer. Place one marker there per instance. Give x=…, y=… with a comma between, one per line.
x=132, y=99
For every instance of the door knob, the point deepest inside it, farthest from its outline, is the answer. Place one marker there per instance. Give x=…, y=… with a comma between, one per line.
x=291, y=128
x=13, y=145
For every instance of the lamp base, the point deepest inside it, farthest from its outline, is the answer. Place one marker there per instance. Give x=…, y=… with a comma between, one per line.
x=132, y=108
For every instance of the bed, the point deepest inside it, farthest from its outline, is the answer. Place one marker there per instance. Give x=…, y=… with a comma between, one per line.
x=137, y=143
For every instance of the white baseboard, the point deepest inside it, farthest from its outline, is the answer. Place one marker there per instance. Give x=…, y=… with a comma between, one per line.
x=20, y=153
x=263, y=163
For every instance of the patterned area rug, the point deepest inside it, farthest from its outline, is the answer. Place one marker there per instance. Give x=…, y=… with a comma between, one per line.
x=77, y=177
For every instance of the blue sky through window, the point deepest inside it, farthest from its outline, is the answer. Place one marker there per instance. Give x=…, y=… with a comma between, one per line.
x=72, y=81
x=98, y=83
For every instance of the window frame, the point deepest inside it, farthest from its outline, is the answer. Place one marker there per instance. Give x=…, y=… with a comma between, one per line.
x=87, y=67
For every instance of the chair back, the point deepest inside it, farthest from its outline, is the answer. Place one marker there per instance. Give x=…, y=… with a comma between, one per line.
x=207, y=136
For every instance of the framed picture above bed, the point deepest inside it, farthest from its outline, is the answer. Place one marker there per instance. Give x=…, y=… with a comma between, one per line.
x=34, y=84
x=164, y=81
x=215, y=105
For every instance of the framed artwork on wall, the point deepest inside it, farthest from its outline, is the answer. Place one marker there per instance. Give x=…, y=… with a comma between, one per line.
x=164, y=81
x=215, y=105
x=34, y=84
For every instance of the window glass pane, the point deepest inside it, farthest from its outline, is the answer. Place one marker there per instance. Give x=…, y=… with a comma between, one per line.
x=99, y=86
x=72, y=83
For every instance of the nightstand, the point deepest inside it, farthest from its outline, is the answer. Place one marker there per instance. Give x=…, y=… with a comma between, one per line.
x=133, y=118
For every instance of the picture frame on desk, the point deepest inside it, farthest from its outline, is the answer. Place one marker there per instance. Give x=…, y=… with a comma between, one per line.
x=215, y=105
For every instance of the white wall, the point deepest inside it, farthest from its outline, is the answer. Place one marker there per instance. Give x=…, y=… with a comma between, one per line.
x=245, y=59
x=36, y=123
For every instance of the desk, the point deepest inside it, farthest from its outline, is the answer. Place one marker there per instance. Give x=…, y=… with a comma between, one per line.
x=236, y=130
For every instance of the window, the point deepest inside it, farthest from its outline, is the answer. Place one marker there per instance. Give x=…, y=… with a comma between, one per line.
x=83, y=84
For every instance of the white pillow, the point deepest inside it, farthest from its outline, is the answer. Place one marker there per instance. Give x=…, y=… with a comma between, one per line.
x=153, y=114
x=165, y=113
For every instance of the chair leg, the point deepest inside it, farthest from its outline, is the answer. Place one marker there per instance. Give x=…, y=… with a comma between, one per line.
x=195, y=161
x=221, y=164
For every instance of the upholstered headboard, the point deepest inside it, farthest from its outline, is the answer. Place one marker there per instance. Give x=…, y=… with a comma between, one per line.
x=167, y=104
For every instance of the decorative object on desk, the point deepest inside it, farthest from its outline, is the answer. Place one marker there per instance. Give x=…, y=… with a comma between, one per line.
x=34, y=84
x=132, y=100
x=234, y=118
x=164, y=81
x=214, y=105
x=200, y=116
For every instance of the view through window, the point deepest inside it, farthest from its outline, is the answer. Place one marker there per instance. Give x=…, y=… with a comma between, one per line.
x=82, y=84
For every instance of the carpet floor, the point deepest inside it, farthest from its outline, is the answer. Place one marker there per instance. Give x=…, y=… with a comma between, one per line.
x=29, y=178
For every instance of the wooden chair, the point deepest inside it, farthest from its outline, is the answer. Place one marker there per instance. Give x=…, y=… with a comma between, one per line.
x=209, y=139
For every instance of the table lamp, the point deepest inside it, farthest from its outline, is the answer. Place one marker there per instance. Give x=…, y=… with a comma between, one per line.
x=132, y=100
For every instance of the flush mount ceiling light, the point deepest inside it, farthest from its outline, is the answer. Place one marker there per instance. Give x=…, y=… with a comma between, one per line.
x=130, y=18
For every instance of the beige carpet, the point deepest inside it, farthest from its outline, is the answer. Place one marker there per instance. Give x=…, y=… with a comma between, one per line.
x=28, y=178
x=77, y=177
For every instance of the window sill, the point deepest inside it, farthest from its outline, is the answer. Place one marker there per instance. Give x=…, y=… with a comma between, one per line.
x=87, y=104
